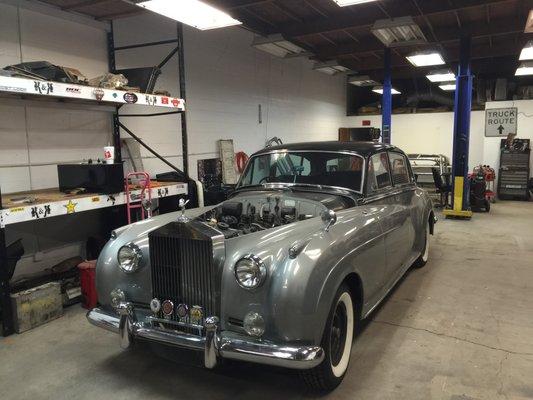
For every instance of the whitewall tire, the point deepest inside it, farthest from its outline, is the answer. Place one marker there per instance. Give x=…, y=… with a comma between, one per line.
x=424, y=256
x=336, y=342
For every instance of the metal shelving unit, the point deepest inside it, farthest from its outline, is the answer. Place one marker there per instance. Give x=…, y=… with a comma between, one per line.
x=22, y=88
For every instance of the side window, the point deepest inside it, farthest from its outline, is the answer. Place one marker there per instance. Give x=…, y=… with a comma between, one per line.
x=378, y=176
x=400, y=170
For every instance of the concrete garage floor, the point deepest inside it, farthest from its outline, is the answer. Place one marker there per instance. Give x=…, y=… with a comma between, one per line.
x=460, y=329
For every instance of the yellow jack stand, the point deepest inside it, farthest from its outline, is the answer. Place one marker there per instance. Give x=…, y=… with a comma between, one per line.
x=457, y=210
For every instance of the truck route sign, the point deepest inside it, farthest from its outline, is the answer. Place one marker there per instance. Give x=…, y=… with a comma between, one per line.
x=500, y=122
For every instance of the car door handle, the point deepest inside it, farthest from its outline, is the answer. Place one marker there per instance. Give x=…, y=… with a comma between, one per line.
x=365, y=212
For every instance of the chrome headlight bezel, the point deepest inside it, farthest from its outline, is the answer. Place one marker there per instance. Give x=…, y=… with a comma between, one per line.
x=250, y=272
x=135, y=257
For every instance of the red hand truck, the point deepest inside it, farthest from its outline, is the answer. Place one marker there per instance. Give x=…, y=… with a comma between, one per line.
x=136, y=201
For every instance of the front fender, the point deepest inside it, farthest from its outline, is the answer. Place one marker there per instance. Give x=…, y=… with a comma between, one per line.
x=296, y=299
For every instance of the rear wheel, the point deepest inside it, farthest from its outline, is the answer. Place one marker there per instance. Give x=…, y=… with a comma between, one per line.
x=337, y=344
x=423, y=259
x=487, y=205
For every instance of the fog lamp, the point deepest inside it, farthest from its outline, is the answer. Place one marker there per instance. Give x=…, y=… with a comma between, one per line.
x=254, y=324
x=117, y=297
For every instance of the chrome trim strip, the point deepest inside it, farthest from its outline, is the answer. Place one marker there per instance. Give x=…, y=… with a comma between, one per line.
x=215, y=344
x=177, y=323
x=303, y=357
x=103, y=319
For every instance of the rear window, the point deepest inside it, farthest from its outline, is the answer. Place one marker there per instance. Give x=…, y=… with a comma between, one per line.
x=400, y=170
x=378, y=173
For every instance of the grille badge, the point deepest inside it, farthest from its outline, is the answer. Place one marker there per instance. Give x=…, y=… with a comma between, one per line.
x=182, y=310
x=155, y=306
x=168, y=308
x=196, y=315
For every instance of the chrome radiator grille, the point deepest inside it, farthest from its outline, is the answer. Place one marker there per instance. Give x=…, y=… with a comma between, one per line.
x=182, y=267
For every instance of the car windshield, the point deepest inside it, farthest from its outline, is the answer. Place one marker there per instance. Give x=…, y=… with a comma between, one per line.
x=334, y=169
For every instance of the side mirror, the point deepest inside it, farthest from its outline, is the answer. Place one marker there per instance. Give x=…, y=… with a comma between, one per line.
x=416, y=178
x=329, y=217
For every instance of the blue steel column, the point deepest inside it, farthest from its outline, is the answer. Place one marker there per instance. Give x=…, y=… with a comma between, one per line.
x=461, y=134
x=386, y=108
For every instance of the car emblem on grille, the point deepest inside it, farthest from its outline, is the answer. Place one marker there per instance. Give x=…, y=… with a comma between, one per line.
x=182, y=310
x=168, y=308
x=196, y=315
x=155, y=306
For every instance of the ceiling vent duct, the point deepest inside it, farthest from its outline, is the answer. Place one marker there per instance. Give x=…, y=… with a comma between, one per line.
x=277, y=45
x=398, y=32
x=330, y=67
x=362, y=81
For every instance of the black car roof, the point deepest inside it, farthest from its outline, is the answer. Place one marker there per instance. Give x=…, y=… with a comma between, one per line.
x=363, y=148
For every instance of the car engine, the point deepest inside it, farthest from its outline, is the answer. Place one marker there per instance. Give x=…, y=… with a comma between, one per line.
x=244, y=215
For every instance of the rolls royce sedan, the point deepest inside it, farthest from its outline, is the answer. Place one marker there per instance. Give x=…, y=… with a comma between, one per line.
x=311, y=241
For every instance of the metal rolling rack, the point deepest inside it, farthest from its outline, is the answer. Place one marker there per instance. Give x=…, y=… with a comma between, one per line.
x=422, y=164
x=28, y=89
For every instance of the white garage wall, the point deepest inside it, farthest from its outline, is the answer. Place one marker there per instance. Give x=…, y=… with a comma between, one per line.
x=36, y=137
x=433, y=132
x=226, y=82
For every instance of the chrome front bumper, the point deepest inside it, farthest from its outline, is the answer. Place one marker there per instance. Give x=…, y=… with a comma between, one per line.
x=214, y=344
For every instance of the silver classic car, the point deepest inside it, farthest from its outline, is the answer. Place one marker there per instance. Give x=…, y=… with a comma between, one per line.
x=311, y=241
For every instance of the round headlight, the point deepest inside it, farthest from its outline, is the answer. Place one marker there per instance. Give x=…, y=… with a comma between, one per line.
x=129, y=258
x=250, y=272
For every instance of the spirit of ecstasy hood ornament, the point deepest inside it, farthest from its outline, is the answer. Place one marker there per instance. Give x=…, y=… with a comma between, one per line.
x=182, y=218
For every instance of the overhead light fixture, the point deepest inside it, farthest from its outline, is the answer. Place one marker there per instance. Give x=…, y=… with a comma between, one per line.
x=362, y=81
x=398, y=32
x=379, y=90
x=525, y=68
x=448, y=86
x=426, y=58
x=529, y=23
x=445, y=75
x=191, y=12
x=527, y=52
x=344, y=3
x=277, y=45
x=330, y=67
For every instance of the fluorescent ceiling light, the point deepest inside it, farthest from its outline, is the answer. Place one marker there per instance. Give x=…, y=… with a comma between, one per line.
x=426, y=59
x=277, y=45
x=379, y=90
x=441, y=76
x=526, y=68
x=362, y=81
x=527, y=52
x=398, y=32
x=448, y=86
x=191, y=12
x=330, y=67
x=344, y=3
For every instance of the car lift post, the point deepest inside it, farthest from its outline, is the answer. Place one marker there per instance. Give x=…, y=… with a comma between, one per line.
x=460, y=207
x=386, y=108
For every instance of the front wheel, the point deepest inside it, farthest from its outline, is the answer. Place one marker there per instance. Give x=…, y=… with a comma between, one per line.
x=337, y=344
x=423, y=259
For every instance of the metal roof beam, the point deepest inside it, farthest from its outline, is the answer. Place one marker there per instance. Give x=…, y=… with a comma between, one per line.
x=368, y=15
x=477, y=30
